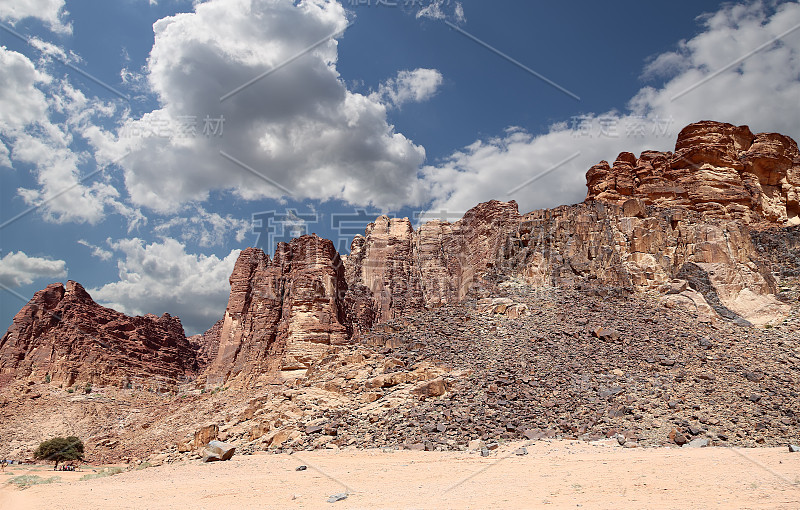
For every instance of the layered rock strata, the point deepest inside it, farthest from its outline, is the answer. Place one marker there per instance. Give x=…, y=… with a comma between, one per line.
x=718, y=169
x=283, y=313
x=62, y=336
x=695, y=262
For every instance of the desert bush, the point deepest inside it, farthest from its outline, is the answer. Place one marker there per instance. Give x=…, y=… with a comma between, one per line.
x=103, y=473
x=25, y=481
x=143, y=465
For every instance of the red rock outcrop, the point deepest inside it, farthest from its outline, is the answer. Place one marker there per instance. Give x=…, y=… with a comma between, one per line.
x=397, y=270
x=64, y=335
x=282, y=314
x=718, y=169
x=677, y=224
x=708, y=265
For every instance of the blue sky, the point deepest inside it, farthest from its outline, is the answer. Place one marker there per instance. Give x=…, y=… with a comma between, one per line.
x=127, y=133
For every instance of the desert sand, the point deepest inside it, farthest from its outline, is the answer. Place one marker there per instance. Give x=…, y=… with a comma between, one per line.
x=554, y=474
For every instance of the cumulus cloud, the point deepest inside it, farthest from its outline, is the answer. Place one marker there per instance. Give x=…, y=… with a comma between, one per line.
x=204, y=228
x=64, y=193
x=21, y=103
x=162, y=277
x=409, y=86
x=18, y=269
x=50, y=12
x=4, y=159
x=716, y=75
x=297, y=130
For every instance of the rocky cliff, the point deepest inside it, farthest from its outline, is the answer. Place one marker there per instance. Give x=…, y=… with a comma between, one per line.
x=64, y=337
x=718, y=169
x=282, y=314
x=677, y=224
x=404, y=270
x=702, y=228
x=709, y=266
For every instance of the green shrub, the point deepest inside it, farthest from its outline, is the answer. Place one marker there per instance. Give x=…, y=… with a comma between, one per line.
x=103, y=473
x=25, y=481
x=70, y=390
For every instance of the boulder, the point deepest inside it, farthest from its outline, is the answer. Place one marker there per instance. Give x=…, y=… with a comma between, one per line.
x=217, y=450
x=433, y=388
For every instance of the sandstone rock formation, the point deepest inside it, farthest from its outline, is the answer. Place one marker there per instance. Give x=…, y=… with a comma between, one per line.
x=404, y=270
x=207, y=344
x=282, y=314
x=63, y=336
x=707, y=262
x=718, y=169
x=689, y=226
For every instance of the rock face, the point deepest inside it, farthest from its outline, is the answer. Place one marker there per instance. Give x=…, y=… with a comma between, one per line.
x=402, y=270
x=63, y=335
x=206, y=345
x=282, y=314
x=702, y=228
x=707, y=265
x=678, y=224
x=718, y=169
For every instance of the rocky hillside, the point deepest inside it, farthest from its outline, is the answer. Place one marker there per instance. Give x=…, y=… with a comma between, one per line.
x=678, y=224
x=664, y=307
x=64, y=337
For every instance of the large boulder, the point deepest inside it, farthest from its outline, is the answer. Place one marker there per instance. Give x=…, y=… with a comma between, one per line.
x=217, y=450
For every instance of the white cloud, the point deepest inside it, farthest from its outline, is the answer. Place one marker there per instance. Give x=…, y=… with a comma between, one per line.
x=300, y=126
x=97, y=251
x=162, y=277
x=409, y=86
x=21, y=103
x=51, y=12
x=18, y=269
x=204, y=228
x=26, y=114
x=762, y=91
x=437, y=9
x=4, y=159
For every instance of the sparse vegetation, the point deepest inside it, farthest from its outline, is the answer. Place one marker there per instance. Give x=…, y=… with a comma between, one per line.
x=25, y=481
x=143, y=465
x=103, y=473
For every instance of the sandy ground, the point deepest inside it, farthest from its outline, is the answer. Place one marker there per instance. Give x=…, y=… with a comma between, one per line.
x=555, y=474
